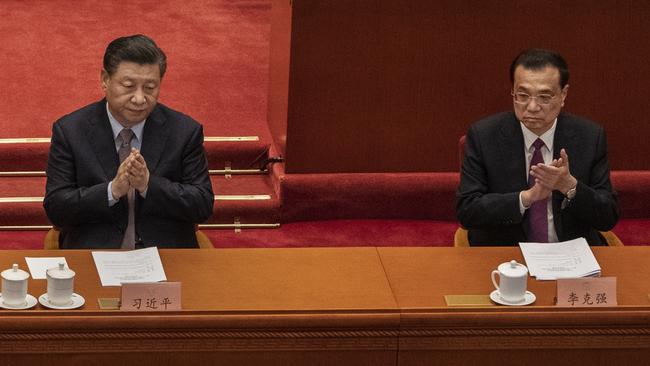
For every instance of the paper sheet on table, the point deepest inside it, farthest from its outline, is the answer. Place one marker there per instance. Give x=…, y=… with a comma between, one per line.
x=142, y=265
x=568, y=259
x=39, y=265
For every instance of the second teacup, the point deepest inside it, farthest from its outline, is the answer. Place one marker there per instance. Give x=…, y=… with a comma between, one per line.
x=60, y=285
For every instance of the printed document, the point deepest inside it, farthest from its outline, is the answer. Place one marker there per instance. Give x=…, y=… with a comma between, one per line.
x=142, y=265
x=38, y=266
x=568, y=259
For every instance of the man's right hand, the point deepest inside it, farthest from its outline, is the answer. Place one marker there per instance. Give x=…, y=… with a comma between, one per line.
x=534, y=194
x=121, y=186
x=538, y=192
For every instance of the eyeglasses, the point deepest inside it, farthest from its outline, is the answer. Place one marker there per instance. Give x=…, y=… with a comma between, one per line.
x=523, y=98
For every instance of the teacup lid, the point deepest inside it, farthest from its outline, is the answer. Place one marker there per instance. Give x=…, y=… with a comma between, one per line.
x=60, y=272
x=14, y=274
x=513, y=269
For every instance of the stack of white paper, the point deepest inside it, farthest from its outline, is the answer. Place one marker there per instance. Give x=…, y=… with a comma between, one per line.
x=568, y=259
x=141, y=265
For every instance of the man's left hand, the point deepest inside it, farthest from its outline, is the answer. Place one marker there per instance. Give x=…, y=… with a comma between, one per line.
x=555, y=176
x=138, y=172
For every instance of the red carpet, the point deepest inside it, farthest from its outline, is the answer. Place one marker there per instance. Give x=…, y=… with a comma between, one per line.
x=22, y=239
x=340, y=233
x=51, y=53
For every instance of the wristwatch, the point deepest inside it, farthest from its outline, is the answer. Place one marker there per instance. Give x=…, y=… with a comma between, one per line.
x=570, y=194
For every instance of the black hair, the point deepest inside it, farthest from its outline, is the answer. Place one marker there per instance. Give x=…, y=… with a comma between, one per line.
x=137, y=48
x=537, y=59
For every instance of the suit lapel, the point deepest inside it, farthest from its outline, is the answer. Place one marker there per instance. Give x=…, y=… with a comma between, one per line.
x=100, y=137
x=564, y=138
x=154, y=138
x=511, y=147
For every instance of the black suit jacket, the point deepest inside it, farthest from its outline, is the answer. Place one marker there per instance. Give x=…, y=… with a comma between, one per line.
x=494, y=172
x=83, y=160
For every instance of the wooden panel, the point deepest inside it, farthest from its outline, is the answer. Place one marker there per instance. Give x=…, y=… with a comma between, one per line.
x=240, y=307
x=382, y=85
x=540, y=334
x=279, y=72
x=343, y=306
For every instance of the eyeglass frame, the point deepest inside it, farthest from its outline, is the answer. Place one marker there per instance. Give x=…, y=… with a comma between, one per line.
x=531, y=97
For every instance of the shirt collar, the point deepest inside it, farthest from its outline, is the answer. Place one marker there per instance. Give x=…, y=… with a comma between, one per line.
x=530, y=136
x=117, y=127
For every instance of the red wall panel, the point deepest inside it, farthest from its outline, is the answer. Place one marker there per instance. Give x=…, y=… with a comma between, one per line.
x=382, y=85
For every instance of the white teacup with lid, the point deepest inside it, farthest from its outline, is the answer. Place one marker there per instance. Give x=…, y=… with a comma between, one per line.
x=14, y=286
x=513, y=278
x=60, y=285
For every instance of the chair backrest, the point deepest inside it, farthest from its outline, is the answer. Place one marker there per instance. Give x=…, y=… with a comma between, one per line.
x=51, y=241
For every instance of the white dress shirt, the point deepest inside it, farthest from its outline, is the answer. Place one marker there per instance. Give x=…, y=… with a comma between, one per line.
x=547, y=155
x=136, y=142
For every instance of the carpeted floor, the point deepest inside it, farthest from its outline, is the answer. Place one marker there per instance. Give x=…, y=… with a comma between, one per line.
x=51, y=53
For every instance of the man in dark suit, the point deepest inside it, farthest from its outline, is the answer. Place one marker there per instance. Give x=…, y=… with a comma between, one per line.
x=127, y=172
x=517, y=184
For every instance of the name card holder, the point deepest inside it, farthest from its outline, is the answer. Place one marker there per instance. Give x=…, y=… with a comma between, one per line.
x=468, y=300
x=586, y=292
x=154, y=296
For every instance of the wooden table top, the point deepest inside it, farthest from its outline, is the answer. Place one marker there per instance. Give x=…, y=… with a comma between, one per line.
x=421, y=277
x=246, y=280
x=331, y=280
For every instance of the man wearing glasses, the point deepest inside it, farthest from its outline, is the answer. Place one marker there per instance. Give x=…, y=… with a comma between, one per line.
x=536, y=174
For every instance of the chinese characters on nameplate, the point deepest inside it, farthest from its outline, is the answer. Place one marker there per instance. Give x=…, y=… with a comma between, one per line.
x=159, y=296
x=587, y=292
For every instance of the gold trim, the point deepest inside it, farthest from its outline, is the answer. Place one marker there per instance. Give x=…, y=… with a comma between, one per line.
x=201, y=226
x=20, y=199
x=25, y=227
x=241, y=226
x=230, y=138
x=218, y=197
x=26, y=173
x=40, y=140
x=25, y=140
x=468, y=300
x=36, y=173
x=236, y=171
x=242, y=197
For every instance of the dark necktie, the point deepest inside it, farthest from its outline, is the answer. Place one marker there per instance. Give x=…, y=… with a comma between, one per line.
x=128, y=242
x=537, y=215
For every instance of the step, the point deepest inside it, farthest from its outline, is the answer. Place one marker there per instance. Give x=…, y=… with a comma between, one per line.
x=409, y=196
x=21, y=201
x=340, y=233
x=22, y=239
x=247, y=199
x=29, y=155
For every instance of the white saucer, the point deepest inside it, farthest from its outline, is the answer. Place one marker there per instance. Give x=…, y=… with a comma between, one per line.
x=77, y=301
x=529, y=298
x=29, y=303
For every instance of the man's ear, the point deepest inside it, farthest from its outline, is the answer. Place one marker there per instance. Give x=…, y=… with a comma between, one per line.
x=104, y=77
x=565, y=92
